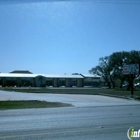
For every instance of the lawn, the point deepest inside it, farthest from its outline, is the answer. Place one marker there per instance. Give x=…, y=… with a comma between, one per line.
x=30, y=104
x=90, y=91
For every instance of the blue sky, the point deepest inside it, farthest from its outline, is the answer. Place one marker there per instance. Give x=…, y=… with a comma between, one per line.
x=65, y=36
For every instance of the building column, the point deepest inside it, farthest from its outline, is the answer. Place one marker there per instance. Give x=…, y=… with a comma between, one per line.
x=55, y=82
x=32, y=81
x=79, y=82
x=18, y=81
x=3, y=82
x=68, y=82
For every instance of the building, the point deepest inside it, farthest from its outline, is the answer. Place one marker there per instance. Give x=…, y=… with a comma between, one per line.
x=91, y=80
x=19, y=79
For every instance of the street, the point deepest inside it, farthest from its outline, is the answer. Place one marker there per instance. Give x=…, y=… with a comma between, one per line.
x=71, y=123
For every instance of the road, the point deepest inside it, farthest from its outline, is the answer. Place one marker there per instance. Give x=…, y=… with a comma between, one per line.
x=69, y=123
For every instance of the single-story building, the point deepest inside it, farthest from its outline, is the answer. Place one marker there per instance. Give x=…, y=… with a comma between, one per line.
x=43, y=80
x=91, y=80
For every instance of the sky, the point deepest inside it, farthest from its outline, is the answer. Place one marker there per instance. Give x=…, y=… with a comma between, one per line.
x=65, y=37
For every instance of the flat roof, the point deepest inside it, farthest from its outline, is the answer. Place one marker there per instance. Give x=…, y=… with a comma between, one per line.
x=35, y=75
x=62, y=76
x=90, y=75
x=17, y=75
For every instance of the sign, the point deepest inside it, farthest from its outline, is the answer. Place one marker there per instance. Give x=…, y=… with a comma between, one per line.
x=126, y=69
x=131, y=69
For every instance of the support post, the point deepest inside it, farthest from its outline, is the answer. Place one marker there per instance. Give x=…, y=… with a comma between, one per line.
x=132, y=87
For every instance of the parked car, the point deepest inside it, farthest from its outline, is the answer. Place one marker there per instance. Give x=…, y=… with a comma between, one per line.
x=137, y=85
x=125, y=85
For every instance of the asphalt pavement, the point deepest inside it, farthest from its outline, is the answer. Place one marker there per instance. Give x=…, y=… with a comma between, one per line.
x=76, y=100
x=93, y=117
x=70, y=123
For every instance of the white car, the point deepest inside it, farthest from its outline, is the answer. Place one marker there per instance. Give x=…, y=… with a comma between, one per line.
x=137, y=85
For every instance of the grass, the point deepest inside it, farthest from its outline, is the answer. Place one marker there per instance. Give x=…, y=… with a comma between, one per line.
x=30, y=104
x=90, y=91
x=137, y=98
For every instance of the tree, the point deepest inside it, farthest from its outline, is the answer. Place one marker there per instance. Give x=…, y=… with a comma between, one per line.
x=116, y=62
x=102, y=70
x=110, y=67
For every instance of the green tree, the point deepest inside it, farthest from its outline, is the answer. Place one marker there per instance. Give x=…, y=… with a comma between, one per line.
x=116, y=62
x=102, y=70
x=111, y=67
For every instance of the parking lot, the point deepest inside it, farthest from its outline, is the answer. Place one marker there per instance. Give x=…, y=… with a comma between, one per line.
x=76, y=100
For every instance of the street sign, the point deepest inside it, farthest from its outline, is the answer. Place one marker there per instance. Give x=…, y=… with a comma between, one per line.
x=125, y=69
x=131, y=69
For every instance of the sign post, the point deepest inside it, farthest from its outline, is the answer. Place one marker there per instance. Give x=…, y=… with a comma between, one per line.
x=132, y=88
x=132, y=69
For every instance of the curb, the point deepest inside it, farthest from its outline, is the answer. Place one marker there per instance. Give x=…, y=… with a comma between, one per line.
x=114, y=96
